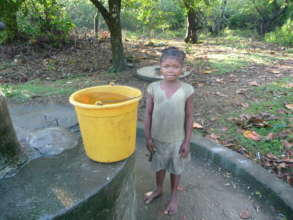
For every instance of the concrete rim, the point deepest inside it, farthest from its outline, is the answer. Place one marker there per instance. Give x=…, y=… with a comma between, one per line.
x=279, y=193
x=150, y=78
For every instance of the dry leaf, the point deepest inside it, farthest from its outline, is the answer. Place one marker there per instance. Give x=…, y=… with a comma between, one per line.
x=253, y=83
x=213, y=137
x=196, y=125
x=241, y=91
x=270, y=136
x=219, y=80
x=220, y=94
x=245, y=105
x=286, y=144
x=245, y=214
x=252, y=135
x=208, y=71
x=289, y=106
x=271, y=156
x=282, y=165
x=275, y=71
x=287, y=160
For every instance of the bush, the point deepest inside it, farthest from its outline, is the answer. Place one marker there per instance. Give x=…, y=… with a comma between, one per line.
x=282, y=35
x=44, y=21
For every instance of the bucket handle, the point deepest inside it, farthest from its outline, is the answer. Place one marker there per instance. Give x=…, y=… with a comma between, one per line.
x=115, y=102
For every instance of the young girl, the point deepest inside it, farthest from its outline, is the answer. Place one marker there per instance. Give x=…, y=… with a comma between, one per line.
x=168, y=125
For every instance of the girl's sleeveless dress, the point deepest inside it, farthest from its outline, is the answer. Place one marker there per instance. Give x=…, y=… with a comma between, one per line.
x=168, y=130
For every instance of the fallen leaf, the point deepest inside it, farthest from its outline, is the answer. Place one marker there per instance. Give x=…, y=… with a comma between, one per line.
x=208, y=71
x=220, y=94
x=252, y=135
x=245, y=214
x=253, y=83
x=213, y=137
x=289, y=106
x=282, y=165
x=219, y=80
x=287, y=160
x=267, y=164
x=286, y=144
x=275, y=71
x=271, y=156
x=245, y=105
x=196, y=125
x=270, y=136
x=241, y=91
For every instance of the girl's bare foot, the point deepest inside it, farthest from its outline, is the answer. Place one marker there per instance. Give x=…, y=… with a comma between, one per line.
x=172, y=206
x=150, y=196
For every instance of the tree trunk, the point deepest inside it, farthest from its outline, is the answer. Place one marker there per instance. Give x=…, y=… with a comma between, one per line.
x=9, y=145
x=112, y=19
x=192, y=27
x=118, y=60
x=96, y=23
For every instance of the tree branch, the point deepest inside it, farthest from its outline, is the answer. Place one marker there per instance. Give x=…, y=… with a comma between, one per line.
x=102, y=9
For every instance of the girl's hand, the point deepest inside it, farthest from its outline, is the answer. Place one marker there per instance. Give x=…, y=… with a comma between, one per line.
x=184, y=150
x=150, y=146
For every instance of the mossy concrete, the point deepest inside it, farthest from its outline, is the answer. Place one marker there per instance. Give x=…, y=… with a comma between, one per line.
x=70, y=186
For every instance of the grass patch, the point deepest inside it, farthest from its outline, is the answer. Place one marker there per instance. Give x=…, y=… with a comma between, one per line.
x=38, y=88
x=227, y=65
x=263, y=58
x=274, y=98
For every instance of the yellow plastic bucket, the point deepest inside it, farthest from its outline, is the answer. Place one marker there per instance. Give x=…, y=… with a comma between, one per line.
x=107, y=118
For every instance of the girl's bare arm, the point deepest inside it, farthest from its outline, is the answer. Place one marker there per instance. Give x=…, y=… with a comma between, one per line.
x=188, y=119
x=148, y=122
x=184, y=149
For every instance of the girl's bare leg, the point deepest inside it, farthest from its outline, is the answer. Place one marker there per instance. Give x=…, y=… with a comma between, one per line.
x=173, y=204
x=150, y=196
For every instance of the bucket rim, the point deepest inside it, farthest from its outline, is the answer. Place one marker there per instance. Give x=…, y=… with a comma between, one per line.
x=105, y=106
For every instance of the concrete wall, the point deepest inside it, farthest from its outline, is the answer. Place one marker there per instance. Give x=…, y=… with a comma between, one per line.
x=70, y=186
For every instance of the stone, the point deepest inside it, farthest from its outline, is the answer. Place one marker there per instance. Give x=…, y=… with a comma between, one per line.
x=52, y=141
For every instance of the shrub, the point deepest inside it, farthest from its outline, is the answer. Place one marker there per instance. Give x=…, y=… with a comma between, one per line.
x=282, y=35
x=44, y=21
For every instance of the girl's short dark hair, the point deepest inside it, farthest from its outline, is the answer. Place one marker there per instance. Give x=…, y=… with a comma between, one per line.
x=173, y=52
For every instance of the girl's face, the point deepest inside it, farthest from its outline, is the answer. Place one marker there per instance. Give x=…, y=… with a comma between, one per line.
x=171, y=68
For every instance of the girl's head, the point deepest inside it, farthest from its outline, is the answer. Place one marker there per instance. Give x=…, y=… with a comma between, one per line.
x=171, y=63
x=173, y=53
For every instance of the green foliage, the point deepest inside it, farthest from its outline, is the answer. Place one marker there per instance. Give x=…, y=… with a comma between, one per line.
x=274, y=97
x=81, y=12
x=155, y=15
x=44, y=20
x=35, y=88
x=282, y=35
